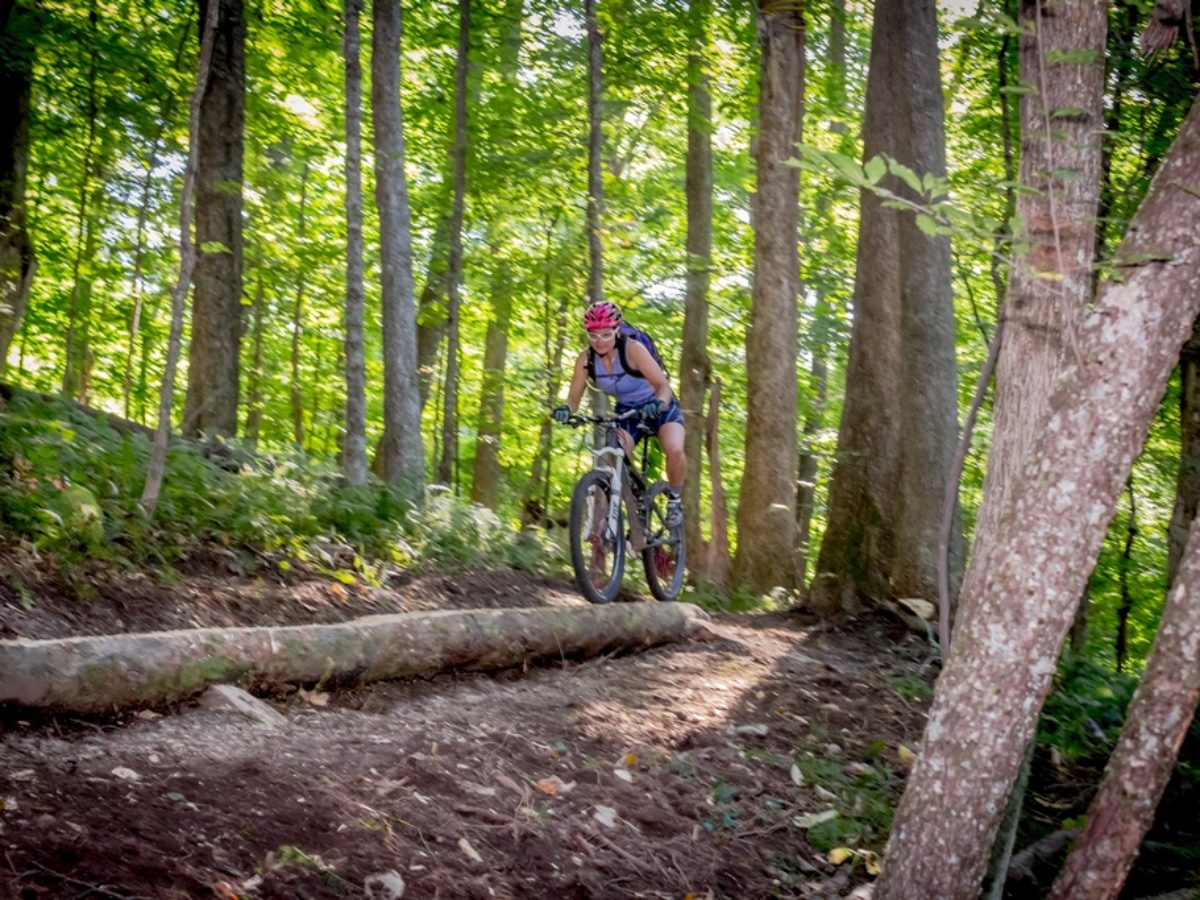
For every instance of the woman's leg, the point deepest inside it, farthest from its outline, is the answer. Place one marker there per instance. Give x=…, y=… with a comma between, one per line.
x=670, y=435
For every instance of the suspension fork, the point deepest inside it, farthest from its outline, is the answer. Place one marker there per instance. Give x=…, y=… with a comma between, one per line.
x=610, y=461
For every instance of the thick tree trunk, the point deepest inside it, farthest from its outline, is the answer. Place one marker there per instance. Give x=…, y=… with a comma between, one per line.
x=17, y=260
x=595, y=198
x=857, y=547
x=695, y=368
x=354, y=450
x=213, y=355
x=447, y=470
x=1051, y=284
x=157, y=466
x=1012, y=627
x=431, y=310
x=402, y=455
x=99, y=674
x=928, y=373
x=766, y=515
x=1140, y=767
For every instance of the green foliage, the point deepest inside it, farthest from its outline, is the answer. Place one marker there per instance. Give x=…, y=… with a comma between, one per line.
x=865, y=802
x=1086, y=697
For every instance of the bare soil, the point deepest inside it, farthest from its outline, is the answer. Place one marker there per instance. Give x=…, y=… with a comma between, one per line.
x=666, y=774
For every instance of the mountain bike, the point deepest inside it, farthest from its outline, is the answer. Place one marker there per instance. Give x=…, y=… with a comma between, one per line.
x=597, y=526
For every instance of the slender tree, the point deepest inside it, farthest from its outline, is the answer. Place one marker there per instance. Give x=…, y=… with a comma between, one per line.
x=447, y=468
x=157, y=467
x=354, y=456
x=695, y=368
x=17, y=258
x=1010, y=630
x=297, y=396
x=766, y=515
x=595, y=198
x=402, y=456
x=213, y=354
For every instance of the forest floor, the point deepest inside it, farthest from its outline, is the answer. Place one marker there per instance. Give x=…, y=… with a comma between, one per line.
x=732, y=767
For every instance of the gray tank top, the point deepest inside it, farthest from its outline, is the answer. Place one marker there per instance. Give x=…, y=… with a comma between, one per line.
x=630, y=390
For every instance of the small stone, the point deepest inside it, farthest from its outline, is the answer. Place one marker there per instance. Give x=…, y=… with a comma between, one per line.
x=227, y=696
x=126, y=774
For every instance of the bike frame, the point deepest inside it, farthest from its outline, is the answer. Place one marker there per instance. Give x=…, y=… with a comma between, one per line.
x=612, y=460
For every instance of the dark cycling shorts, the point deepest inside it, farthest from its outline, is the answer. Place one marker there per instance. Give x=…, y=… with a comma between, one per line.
x=650, y=426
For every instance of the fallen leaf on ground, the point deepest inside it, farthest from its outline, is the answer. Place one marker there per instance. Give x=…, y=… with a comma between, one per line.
x=606, y=816
x=465, y=846
x=553, y=785
x=906, y=756
x=797, y=776
x=126, y=774
x=839, y=855
x=811, y=820
x=630, y=760
x=623, y=774
x=315, y=698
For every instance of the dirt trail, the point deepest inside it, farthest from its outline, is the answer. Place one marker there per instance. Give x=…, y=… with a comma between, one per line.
x=662, y=774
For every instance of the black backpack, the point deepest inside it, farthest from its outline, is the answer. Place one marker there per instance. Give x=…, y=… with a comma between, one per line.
x=625, y=333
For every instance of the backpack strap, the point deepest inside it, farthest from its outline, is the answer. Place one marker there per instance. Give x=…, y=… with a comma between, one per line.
x=622, y=341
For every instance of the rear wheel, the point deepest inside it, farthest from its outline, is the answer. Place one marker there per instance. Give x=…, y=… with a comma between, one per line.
x=665, y=559
x=597, y=555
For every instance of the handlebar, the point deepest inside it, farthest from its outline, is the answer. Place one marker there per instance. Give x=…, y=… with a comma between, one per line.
x=576, y=420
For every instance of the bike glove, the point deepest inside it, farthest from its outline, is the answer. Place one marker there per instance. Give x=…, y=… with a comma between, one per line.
x=561, y=414
x=651, y=409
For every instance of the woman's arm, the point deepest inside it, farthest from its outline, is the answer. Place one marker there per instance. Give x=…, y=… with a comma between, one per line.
x=578, y=382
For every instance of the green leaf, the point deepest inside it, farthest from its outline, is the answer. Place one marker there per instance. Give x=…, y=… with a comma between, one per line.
x=213, y=247
x=875, y=168
x=1080, y=57
x=927, y=225
x=1068, y=112
x=905, y=174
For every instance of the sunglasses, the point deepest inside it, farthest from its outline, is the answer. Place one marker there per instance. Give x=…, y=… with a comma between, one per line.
x=606, y=334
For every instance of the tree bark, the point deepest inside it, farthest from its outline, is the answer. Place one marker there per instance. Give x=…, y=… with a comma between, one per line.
x=402, y=455
x=157, y=465
x=1187, y=482
x=17, y=258
x=718, y=566
x=431, y=309
x=447, y=470
x=766, y=515
x=806, y=473
x=354, y=451
x=695, y=368
x=1140, y=767
x=213, y=356
x=595, y=199
x=254, y=393
x=857, y=547
x=1011, y=629
x=928, y=375
x=1051, y=284
x=99, y=674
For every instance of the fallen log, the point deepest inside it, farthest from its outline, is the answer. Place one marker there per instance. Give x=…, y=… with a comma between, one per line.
x=101, y=674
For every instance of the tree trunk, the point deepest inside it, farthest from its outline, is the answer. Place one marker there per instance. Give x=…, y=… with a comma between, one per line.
x=695, y=368
x=485, y=483
x=254, y=398
x=431, y=311
x=718, y=566
x=402, y=453
x=595, y=198
x=354, y=455
x=487, y=475
x=447, y=470
x=98, y=674
x=928, y=373
x=298, y=319
x=1051, y=284
x=17, y=260
x=1126, y=564
x=85, y=244
x=533, y=506
x=1011, y=629
x=766, y=516
x=213, y=356
x=157, y=465
x=857, y=547
x=1140, y=767
x=1187, y=482
x=806, y=473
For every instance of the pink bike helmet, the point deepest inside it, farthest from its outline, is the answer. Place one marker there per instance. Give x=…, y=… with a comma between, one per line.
x=602, y=315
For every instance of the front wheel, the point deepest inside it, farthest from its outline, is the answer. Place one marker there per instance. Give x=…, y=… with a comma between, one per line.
x=665, y=558
x=597, y=555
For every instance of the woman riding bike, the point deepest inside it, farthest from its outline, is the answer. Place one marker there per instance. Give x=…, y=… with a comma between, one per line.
x=626, y=369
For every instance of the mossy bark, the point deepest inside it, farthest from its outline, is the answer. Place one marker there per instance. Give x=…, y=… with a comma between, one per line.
x=99, y=674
